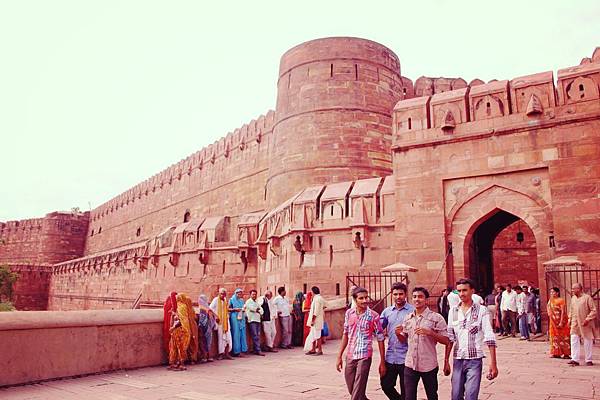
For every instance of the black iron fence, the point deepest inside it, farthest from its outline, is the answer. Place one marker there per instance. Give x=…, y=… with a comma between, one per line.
x=378, y=285
x=563, y=277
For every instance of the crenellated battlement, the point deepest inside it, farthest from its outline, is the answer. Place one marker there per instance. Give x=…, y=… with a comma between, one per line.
x=228, y=146
x=530, y=100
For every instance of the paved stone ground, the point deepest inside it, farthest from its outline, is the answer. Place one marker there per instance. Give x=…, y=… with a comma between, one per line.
x=526, y=372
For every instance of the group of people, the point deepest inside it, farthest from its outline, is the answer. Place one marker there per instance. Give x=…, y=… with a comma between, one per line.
x=567, y=329
x=413, y=332
x=188, y=333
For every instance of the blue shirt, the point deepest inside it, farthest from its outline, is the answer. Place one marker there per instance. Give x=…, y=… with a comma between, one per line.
x=392, y=317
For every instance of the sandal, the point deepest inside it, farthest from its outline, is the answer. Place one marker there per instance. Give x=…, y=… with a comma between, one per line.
x=310, y=353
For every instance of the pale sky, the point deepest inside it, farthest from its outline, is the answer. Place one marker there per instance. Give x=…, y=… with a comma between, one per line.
x=96, y=96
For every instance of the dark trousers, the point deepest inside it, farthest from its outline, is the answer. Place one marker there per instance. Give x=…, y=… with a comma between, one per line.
x=388, y=381
x=509, y=316
x=411, y=380
x=255, y=333
x=356, y=374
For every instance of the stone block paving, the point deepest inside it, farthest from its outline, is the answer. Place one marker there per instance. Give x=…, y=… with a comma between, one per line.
x=526, y=372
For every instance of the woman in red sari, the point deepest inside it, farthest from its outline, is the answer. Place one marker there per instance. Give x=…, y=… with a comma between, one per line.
x=170, y=305
x=306, y=309
x=559, y=331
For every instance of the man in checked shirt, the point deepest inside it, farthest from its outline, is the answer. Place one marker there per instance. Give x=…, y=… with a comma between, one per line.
x=361, y=324
x=423, y=329
x=469, y=328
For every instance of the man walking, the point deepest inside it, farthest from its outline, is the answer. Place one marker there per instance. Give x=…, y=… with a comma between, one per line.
x=283, y=315
x=268, y=320
x=395, y=355
x=508, y=306
x=423, y=329
x=254, y=312
x=530, y=309
x=469, y=328
x=361, y=324
x=220, y=308
x=582, y=315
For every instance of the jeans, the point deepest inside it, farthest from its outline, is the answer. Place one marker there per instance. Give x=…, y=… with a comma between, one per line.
x=411, y=380
x=523, y=326
x=255, y=333
x=466, y=378
x=388, y=381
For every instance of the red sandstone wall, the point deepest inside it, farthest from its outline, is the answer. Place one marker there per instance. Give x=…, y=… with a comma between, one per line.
x=514, y=261
x=31, y=246
x=334, y=103
x=56, y=237
x=226, y=178
x=462, y=155
x=32, y=286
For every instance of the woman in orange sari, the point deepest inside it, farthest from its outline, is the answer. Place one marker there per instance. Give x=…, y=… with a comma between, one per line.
x=187, y=316
x=306, y=309
x=559, y=331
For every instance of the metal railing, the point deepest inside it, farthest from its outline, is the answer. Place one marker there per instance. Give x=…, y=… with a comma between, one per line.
x=379, y=287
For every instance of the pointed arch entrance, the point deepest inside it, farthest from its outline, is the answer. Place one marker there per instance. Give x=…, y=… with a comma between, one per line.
x=475, y=223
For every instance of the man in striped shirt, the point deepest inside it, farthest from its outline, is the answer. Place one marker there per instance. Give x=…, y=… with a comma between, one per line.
x=469, y=328
x=361, y=324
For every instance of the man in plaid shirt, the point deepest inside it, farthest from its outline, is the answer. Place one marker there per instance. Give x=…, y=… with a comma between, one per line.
x=469, y=328
x=361, y=324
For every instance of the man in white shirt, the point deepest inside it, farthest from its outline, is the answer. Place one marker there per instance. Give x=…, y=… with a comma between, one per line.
x=254, y=311
x=508, y=306
x=283, y=314
x=268, y=319
x=521, y=313
x=469, y=329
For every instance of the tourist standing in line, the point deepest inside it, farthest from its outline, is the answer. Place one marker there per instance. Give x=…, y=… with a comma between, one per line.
x=169, y=305
x=269, y=316
x=558, y=329
x=508, y=306
x=237, y=321
x=298, y=320
x=177, y=351
x=306, y=310
x=530, y=309
x=521, y=313
x=469, y=329
x=582, y=315
x=423, y=329
x=191, y=324
x=361, y=324
x=221, y=309
x=254, y=312
x=538, y=310
x=206, y=326
x=316, y=319
x=490, y=304
x=442, y=304
x=285, y=321
x=395, y=355
x=498, y=318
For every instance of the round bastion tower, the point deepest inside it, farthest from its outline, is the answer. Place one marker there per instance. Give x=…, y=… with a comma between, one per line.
x=333, y=118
